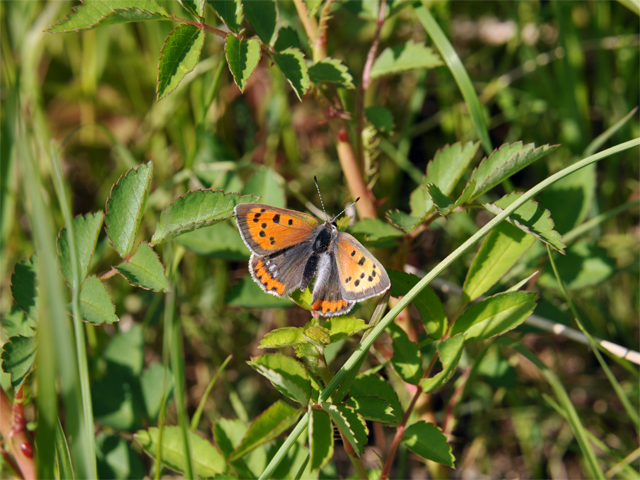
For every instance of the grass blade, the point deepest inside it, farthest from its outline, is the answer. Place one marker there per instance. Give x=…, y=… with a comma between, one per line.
x=196, y=416
x=459, y=73
x=597, y=142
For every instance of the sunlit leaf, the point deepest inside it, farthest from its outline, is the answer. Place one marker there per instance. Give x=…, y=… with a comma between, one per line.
x=449, y=353
x=195, y=7
x=291, y=63
x=86, y=229
x=429, y=442
x=286, y=374
x=373, y=408
x=144, y=269
x=24, y=287
x=242, y=57
x=350, y=423
x=230, y=11
x=320, y=439
x=364, y=385
x=180, y=54
x=406, y=360
x=331, y=70
x=18, y=355
x=404, y=57
x=95, y=303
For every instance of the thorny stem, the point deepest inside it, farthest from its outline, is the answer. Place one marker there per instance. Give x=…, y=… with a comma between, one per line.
x=322, y=29
x=366, y=79
x=200, y=25
x=15, y=434
x=311, y=28
x=109, y=274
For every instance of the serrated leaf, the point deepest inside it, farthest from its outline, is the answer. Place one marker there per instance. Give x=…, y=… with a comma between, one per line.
x=180, y=54
x=86, y=229
x=287, y=38
x=495, y=315
x=449, y=352
x=97, y=13
x=194, y=7
x=196, y=209
x=17, y=323
x=286, y=374
x=500, y=251
x=268, y=185
x=429, y=442
x=263, y=17
x=404, y=57
x=375, y=229
x=446, y=205
x=352, y=425
x=366, y=384
x=373, y=408
x=145, y=270
x=381, y=118
x=271, y=423
x=427, y=302
x=243, y=57
x=125, y=207
x=504, y=162
x=530, y=218
x=331, y=70
x=291, y=63
x=246, y=293
x=217, y=241
x=24, y=287
x=583, y=266
x=402, y=220
x=95, y=303
x=320, y=439
x=406, y=359
x=230, y=11
x=344, y=326
x=207, y=460
x=18, y=355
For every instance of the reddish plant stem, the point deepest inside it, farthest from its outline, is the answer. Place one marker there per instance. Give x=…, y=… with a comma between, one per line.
x=202, y=26
x=15, y=434
x=448, y=423
x=366, y=79
x=109, y=274
x=321, y=42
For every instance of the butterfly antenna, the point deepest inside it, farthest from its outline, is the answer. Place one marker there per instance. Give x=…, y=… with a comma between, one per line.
x=321, y=202
x=345, y=209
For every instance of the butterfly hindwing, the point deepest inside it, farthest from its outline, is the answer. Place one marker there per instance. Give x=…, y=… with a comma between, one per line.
x=266, y=229
x=327, y=299
x=280, y=273
x=361, y=275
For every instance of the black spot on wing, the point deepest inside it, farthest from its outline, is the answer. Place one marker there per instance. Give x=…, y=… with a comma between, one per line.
x=361, y=262
x=276, y=218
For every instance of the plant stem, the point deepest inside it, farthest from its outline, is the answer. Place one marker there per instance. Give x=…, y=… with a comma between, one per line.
x=311, y=28
x=202, y=26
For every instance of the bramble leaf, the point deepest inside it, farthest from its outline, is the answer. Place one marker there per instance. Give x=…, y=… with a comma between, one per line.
x=350, y=423
x=320, y=438
x=180, y=54
x=230, y=11
x=18, y=355
x=429, y=442
x=366, y=384
x=86, y=229
x=373, y=408
x=263, y=17
x=242, y=57
x=331, y=70
x=291, y=63
x=286, y=374
x=95, y=303
x=406, y=359
x=404, y=57
x=195, y=7
x=24, y=287
x=287, y=38
x=450, y=351
x=144, y=269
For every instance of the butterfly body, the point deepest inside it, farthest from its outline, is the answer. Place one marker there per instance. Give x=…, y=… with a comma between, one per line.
x=290, y=248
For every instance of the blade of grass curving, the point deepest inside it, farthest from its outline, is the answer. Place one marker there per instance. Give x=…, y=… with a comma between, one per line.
x=626, y=403
x=196, y=416
x=459, y=73
x=354, y=360
x=63, y=457
x=597, y=142
x=573, y=418
x=78, y=327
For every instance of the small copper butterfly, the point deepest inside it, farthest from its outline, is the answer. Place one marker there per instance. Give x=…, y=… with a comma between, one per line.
x=289, y=249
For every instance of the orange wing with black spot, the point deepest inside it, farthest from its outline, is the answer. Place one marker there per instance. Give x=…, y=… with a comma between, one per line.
x=327, y=299
x=361, y=275
x=265, y=229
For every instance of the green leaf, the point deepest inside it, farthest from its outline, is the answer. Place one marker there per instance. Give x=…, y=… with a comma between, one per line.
x=584, y=265
x=242, y=57
x=267, y=185
x=429, y=442
x=530, y=218
x=194, y=7
x=291, y=63
x=99, y=13
x=495, y=315
x=229, y=11
x=427, y=302
x=374, y=409
x=208, y=461
x=367, y=384
x=282, y=337
x=246, y=293
x=144, y=270
x=116, y=459
x=375, y=229
x=446, y=205
x=316, y=334
x=180, y=54
x=406, y=359
x=287, y=38
x=18, y=355
x=350, y=423
x=500, y=251
x=302, y=299
x=320, y=438
x=450, y=351
x=24, y=287
x=331, y=70
x=86, y=229
x=504, y=162
x=381, y=118
x=263, y=17
x=271, y=423
x=17, y=323
x=95, y=303
x=402, y=220
x=125, y=207
x=404, y=57
x=228, y=434
x=344, y=326
x=152, y=389
x=286, y=374
x=196, y=209
x=217, y=241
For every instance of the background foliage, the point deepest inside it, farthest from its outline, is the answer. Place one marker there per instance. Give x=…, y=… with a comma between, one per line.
x=177, y=108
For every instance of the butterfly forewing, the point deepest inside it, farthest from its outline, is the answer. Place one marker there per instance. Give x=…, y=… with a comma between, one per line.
x=266, y=229
x=280, y=273
x=361, y=275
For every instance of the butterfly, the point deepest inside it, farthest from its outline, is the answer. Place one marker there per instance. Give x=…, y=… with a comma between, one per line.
x=289, y=249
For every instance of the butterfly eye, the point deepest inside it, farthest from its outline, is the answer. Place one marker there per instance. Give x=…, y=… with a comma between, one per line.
x=334, y=223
